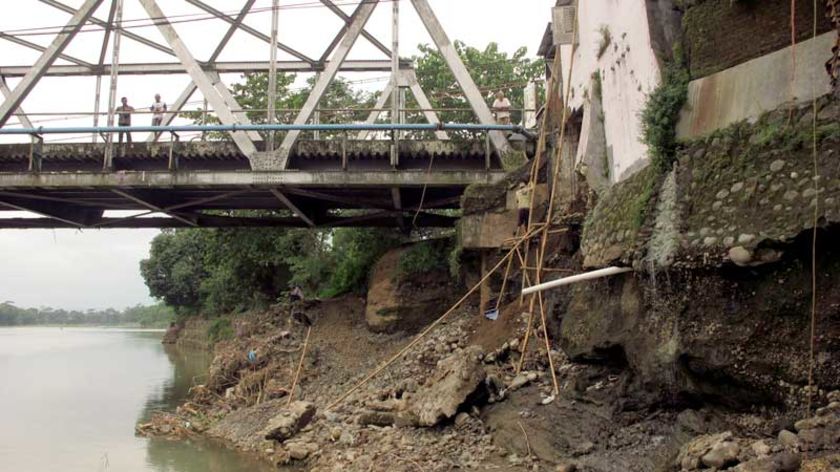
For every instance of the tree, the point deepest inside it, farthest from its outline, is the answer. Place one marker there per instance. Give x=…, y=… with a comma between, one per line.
x=491, y=69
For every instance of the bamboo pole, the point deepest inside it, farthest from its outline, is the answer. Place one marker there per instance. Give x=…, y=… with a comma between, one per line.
x=428, y=330
x=300, y=365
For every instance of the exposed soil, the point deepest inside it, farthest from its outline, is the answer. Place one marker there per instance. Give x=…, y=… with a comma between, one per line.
x=510, y=423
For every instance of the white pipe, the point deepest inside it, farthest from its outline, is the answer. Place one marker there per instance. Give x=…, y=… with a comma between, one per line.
x=595, y=274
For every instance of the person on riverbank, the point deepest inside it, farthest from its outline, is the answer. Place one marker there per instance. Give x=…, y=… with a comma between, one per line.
x=524, y=193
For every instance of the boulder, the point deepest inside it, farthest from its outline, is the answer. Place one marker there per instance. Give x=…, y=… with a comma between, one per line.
x=289, y=421
x=458, y=376
x=399, y=302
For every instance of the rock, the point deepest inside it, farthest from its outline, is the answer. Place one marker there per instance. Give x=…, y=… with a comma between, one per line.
x=740, y=255
x=784, y=462
x=746, y=238
x=760, y=448
x=300, y=451
x=777, y=165
x=722, y=453
x=461, y=419
x=376, y=418
x=519, y=381
x=566, y=467
x=692, y=455
x=457, y=376
x=788, y=439
x=829, y=463
x=584, y=448
x=289, y=421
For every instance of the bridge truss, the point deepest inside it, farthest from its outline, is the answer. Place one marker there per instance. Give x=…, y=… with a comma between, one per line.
x=194, y=189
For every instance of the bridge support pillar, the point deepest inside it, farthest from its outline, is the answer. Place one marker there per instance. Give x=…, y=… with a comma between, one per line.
x=264, y=160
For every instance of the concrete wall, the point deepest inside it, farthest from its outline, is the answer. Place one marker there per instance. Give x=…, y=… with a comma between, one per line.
x=629, y=71
x=763, y=84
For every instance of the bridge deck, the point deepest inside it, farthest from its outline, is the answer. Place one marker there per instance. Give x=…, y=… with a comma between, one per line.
x=330, y=184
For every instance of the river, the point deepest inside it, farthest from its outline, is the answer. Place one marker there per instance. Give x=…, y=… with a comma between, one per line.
x=69, y=400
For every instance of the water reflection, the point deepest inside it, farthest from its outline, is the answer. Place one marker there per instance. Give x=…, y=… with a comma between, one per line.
x=69, y=400
x=189, y=368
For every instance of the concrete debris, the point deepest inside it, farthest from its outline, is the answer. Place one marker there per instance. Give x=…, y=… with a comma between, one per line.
x=290, y=420
x=457, y=377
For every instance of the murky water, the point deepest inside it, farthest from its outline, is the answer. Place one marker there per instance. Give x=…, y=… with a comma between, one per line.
x=69, y=400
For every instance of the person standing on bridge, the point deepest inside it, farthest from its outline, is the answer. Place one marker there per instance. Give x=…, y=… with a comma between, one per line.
x=502, y=108
x=124, y=113
x=158, y=109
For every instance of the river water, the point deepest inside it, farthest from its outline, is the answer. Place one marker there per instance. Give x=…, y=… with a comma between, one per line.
x=69, y=400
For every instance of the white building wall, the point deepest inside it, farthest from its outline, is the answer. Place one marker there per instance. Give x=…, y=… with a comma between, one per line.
x=629, y=72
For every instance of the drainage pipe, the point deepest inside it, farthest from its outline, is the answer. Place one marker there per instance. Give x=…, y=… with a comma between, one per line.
x=595, y=274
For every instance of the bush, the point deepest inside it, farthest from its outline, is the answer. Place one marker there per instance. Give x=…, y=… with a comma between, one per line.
x=425, y=256
x=661, y=113
x=219, y=330
x=355, y=251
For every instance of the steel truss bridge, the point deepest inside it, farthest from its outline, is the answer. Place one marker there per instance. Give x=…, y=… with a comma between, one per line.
x=394, y=174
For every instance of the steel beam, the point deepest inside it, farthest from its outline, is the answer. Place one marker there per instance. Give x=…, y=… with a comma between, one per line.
x=292, y=207
x=4, y=88
x=199, y=77
x=153, y=207
x=215, y=221
x=38, y=47
x=378, y=107
x=233, y=105
x=250, y=30
x=112, y=91
x=164, y=68
x=98, y=22
x=462, y=76
x=189, y=90
x=102, y=52
x=47, y=59
x=272, y=73
x=423, y=102
x=77, y=217
x=237, y=179
x=361, y=17
x=347, y=20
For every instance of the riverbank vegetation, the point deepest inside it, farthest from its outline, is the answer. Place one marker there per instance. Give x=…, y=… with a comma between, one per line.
x=154, y=316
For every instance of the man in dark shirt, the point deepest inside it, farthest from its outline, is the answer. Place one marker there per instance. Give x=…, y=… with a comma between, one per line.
x=125, y=119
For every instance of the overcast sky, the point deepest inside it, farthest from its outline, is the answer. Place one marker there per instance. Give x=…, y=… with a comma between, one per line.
x=99, y=268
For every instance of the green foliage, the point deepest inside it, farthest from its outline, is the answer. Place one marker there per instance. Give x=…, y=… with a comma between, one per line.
x=492, y=70
x=219, y=330
x=155, y=316
x=355, y=250
x=661, y=113
x=223, y=270
x=597, y=88
x=640, y=202
x=252, y=95
x=425, y=256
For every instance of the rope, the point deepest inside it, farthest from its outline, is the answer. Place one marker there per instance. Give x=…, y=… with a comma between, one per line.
x=812, y=344
x=428, y=330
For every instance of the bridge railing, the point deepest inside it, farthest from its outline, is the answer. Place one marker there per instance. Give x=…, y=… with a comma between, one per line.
x=36, y=134
x=349, y=115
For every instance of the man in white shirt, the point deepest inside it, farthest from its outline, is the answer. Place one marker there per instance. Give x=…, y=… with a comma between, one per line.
x=502, y=108
x=158, y=109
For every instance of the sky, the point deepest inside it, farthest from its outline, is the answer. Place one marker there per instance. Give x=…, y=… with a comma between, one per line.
x=76, y=269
